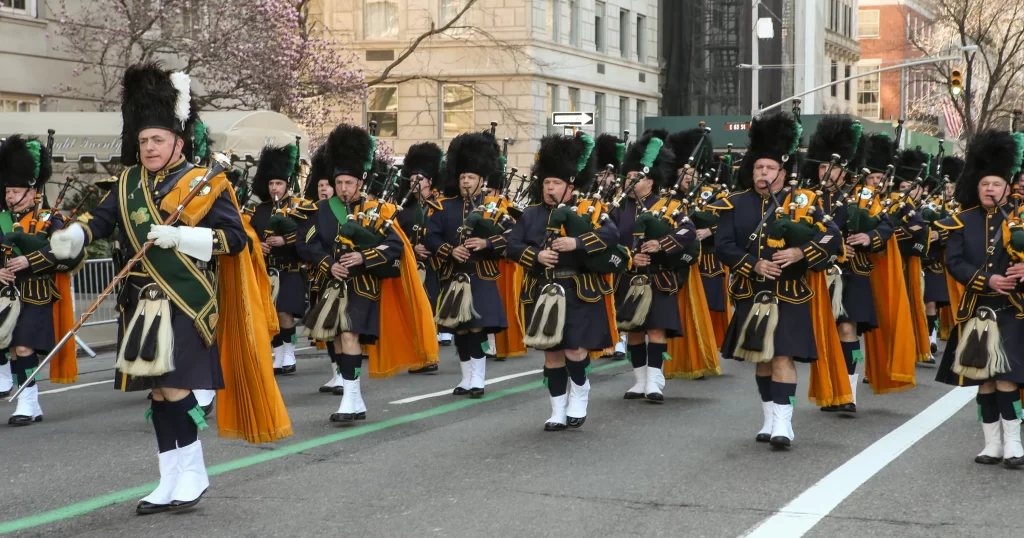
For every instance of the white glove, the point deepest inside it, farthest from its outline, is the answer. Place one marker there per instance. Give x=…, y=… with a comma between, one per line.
x=67, y=243
x=194, y=242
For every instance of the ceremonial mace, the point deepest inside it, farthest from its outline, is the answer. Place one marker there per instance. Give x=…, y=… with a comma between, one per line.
x=220, y=163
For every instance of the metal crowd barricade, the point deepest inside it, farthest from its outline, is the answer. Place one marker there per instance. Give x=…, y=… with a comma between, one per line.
x=86, y=286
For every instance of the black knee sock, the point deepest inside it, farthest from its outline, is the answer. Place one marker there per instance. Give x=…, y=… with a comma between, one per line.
x=350, y=366
x=557, y=380
x=462, y=346
x=578, y=370
x=27, y=365
x=933, y=323
x=783, y=393
x=656, y=354
x=5, y=357
x=1009, y=404
x=17, y=372
x=850, y=349
x=988, y=408
x=334, y=356
x=287, y=336
x=764, y=387
x=477, y=345
x=637, y=354
x=186, y=419
x=277, y=341
x=163, y=427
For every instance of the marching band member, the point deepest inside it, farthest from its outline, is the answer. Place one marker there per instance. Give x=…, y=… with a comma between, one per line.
x=773, y=324
x=912, y=235
x=864, y=226
x=467, y=251
x=34, y=286
x=936, y=292
x=275, y=220
x=190, y=295
x=609, y=151
x=651, y=284
x=563, y=298
x=983, y=253
x=421, y=166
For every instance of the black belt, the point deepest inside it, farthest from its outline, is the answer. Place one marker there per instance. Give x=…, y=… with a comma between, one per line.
x=559, y=272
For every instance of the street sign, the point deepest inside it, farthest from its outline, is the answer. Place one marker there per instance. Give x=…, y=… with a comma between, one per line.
x=737, y=126
x=572, y=118
x=568, y=131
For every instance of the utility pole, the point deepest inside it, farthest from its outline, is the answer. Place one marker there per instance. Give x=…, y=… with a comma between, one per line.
x=755, y=70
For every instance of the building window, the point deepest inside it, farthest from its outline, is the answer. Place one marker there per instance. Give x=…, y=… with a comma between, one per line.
x=551, y=24
x=599, y=26
x=18, y=105
x=551, y=105
x=598, y=113
x=456, y=109
x=641, y=38
x=19, y=7
x=623, y=113
x=574, y=99
x=381, y=18
x=450, y=9
x=624, y=33
x=867, y=24
x=641, y=113
x=382, y=107
x=835, y=77
x=574, y=23
x=868, y=102
x=846, y=85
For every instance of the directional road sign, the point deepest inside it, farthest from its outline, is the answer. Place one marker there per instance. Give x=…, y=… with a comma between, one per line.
x=572, y=118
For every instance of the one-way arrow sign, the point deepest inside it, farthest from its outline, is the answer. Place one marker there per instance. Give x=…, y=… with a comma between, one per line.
x=572, y=118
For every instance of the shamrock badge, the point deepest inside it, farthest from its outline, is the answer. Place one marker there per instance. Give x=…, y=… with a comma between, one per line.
x=140, y=216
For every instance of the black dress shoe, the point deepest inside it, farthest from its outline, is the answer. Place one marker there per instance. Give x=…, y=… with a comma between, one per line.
x=987, y=460
x=655, y=397
x=830, y=408
x=145, y=508
x=929, y=360
x=277, y=371
x=22, y=420
x=7, y=393
x=459, y=391
x=338, y=391
x=182, y=505
x=866, y=382
x=574, y=422
x=780, y=442
x=633, y=396
x=848, y=408
x=618, y=356
x=148, y=396
x=326, y=390
x=288, y=370
x=445, y=343
x=1013, y=463
x=426, y=369
x=347, y=417
x=763, y=437
x=935, y=348
x=554, y=427
x=476, y=393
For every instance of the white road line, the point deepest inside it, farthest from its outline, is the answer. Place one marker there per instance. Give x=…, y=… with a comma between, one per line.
x=82, y=386
x=804, y=512
x=449, y=391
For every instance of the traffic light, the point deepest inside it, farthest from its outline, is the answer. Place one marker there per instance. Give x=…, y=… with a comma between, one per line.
x=956, y=81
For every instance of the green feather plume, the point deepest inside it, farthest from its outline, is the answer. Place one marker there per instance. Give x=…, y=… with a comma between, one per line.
x=858, y=131
x=35, y=149
x=620, y=151
x=883, y=134
x=651, y=153
x=1019, y=139
x=588, y=147
x=504, y=163
x=372, y=155
x=796, y=140
x=202, y=140
x=293, y=158
x=728, y=160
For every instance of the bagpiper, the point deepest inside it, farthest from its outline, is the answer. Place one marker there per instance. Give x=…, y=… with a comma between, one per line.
x=608, y=153
x=188, y=297
x=936, y=291
x=773, y=325
x=645, y=295
x=276, y=222
x=467, y=247
x=563, y=295
x=36, y=290
x=985, y=253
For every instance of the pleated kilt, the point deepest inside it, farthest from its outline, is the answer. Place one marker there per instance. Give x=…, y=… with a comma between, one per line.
x=490, y=313
x=664, y=313
x=432, y=285
x=1011, y=331
x=195, y=365
x=935, y=290
x=586, y=323
x=858, y=301
x=712, y=275
x=34, y=328
x=291, y=296
x=794, y=334
x=364, y=317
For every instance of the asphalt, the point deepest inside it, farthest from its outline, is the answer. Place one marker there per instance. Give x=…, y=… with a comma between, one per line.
x=447, y=467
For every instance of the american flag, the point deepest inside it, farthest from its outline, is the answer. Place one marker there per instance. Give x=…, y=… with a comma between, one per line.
x=954, y=125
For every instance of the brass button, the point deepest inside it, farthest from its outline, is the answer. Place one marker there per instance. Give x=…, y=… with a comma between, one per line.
x=990, y=265
x=991, y=227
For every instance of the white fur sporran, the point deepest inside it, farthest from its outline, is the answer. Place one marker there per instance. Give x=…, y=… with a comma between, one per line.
x=456, y=304
x=275, y=283
x=547, y=324
x=757, y=334
x=979, y=353
x=329, y=317
x=834, y=281
x=10, y=309
x=633, y=311
x=147, y=347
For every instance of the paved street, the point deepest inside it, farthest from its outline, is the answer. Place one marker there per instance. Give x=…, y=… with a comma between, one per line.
x=447, y=466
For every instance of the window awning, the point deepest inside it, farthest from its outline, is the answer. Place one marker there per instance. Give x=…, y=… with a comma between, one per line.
x=96, y=136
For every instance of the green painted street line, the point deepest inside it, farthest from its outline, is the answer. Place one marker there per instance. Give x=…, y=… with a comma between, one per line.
x=132, y=494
